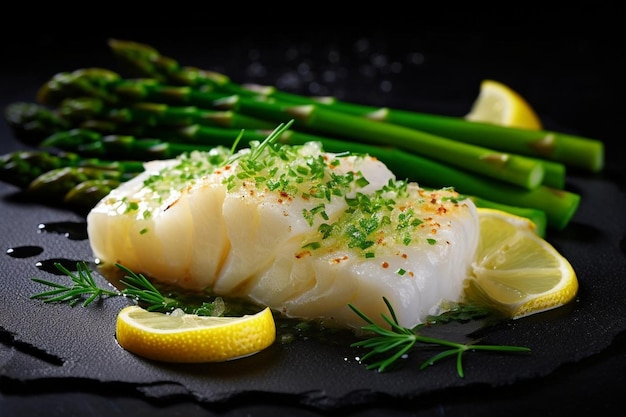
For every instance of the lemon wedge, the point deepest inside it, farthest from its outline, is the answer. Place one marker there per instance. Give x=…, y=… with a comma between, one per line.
x=515, y=270
x=499, y=104
x=189, y=338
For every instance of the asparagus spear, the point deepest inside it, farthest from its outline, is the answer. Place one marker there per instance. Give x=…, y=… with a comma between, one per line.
x=91, y=93
x=80, y=109
x=526, y=172
x=572, y=150
x=94, y=144
x=75, y=186
x=86, y=194
x=145, y=61
x=554, y=172
x=82, y=187
x=31, y=122
x=522, y=171
x=201, y=74
x=533, y=205
x=20, y=168
x=538, y=217
x=90, y=82
x=142, y=152
x=559, y=206
x=60, y=181
x=65, y=177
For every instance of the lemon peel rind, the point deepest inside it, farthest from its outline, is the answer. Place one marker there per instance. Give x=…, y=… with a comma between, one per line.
x=193, y=345
x=474, y=292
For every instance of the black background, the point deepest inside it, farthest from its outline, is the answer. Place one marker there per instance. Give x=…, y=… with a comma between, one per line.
x=568, y=64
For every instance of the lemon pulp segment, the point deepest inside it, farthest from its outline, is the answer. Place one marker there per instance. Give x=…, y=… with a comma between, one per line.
x=499, y=104
x=515, y=270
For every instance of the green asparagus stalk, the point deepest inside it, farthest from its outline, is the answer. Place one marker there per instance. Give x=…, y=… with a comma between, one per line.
x=112, y=89
x=145, y=61
x=81, y=109
x=156, y=150
x=20, y=168
x=31, y=122
x=75, y=186
x=86, y=194
x=538, y=217
x=559, y=206
x=554, y=172
x=571, y=150
x=91, y=113
x=93, y=144
x=105, y=85
x=514, y=169
x=65, y=177
x=88, y=82
x=58, y=182
x=152, y=116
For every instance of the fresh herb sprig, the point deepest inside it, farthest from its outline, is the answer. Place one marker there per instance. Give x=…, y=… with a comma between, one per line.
x=83, y=285
x=255, y=152
x=137, y=287
x=390, y=344
x=393, y=343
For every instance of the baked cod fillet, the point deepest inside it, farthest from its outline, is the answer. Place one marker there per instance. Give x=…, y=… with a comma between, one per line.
x=303, y=231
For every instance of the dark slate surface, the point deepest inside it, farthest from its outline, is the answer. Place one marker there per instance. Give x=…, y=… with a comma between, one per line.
x=66, y=359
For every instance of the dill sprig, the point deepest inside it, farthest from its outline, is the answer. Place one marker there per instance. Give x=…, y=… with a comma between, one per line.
x=393, y=343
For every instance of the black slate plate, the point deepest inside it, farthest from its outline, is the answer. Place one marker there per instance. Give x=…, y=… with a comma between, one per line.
x=48, y=346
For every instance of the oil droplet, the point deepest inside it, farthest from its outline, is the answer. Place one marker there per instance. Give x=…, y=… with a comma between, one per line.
x=71, y=230
x=49, y=265
x=24, y=251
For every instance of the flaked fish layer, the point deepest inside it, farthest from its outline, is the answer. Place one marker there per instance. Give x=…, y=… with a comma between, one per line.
x=303, y=231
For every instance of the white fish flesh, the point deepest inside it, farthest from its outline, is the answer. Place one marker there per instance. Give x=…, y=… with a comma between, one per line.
x=303, y=231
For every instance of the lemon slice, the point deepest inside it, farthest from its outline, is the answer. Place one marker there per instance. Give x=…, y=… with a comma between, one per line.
x=180, y=337
x=515, y=270
x=499, y=104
